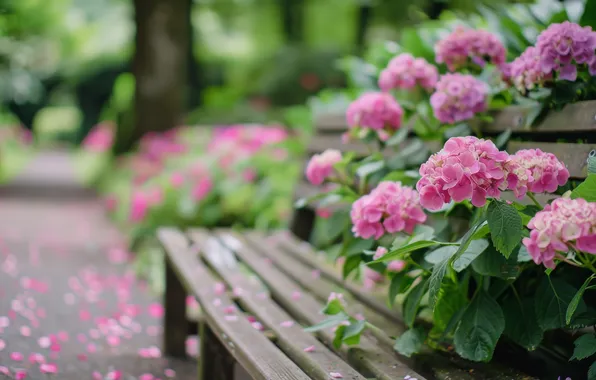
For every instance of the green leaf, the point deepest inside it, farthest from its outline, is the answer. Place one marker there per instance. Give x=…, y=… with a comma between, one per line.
x=585, y=346
x=410, y=342
x=398, y=137
x=422, y=232
x=351, y=264
x=330, y=322
x=493, y=263
x=450, y=300
x=333, y=307
x=592, y=372
x=521, y=325
x=357, y=246
x=503, y=138
x=435, y=281
x=523, y=255
x=505, y=226
x=369, y=168
x=440, y=254
x=588, y=18
x=353, y=331
x=551, y=302
x=412, y=302
x=482, y=231
x=400, y=283
x=577, y=299
x=392, y=255
x=339, y=336
x=474, y=250
x=586, y=190
x=481, y=326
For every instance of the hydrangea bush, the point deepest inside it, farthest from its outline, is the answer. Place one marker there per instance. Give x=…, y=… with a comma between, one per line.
x=461, y=238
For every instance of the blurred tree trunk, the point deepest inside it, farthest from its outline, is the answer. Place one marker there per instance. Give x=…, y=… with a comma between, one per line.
x=364, y=17
x=292, y=15
x=195, y=79
x=160, y=67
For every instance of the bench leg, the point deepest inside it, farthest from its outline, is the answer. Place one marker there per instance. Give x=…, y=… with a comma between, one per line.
x=216, y=361
x=175, y=323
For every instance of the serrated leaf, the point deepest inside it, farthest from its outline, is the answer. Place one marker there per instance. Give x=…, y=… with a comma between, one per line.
x=586, y=190
x=352, y=332
x=435, y=281
x=440, y=254
x=521, y=324
x=474, y=250
x=493, y=263
x=450, y=300
x=481, y=326
x=585, y=346
x=551, y=302
x=412, y=302
x=577, y=299
x=330, y=322
x=505, y=225
x=410, y=342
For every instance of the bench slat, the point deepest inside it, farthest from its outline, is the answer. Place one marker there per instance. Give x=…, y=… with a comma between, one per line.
x=577, y=117
x=572, y=155
x=259, y=357
x=332, y=122
x=384, y=365
x=292, y=340
x=320, y=286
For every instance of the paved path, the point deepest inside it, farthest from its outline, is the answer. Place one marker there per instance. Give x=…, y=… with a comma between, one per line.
x=67, y=295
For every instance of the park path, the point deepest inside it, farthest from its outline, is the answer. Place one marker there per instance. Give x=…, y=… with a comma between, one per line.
x=67, y=295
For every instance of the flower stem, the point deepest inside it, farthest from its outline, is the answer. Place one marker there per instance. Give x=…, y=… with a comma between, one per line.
x=534, y=200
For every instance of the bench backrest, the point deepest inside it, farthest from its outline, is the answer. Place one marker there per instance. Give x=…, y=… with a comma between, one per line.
x=570, y=134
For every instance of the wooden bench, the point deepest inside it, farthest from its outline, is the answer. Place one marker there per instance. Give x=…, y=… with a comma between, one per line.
x=248, y=280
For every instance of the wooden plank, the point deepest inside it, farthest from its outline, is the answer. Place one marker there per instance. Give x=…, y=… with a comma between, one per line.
x=321, y=143
x=291, y=339
x=303, y=252
x=320, y=286
x=260, y=357
x=577, y=117
x=380, y=363
x=175, y=324
x=574, y=156
x=331, y=122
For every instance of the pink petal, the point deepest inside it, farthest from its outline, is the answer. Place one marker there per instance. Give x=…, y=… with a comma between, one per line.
x=4, y=370
x=169, y=372
x=156, y=310
x=336, y=375
x=296, y=295
x=20, y=374
x=16, y=356
x=82, y=357
x=25, y=331
x=44, y=342
x=309, y=349
x=48, y=368
x=287, y=324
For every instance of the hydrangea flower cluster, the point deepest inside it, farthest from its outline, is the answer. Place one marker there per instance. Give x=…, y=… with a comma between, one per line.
x=479, y=46
x=561, y=47
x=406, y=72
x=390, y=208
x=525, y=72
x=466, y=168
x=376, y=111
x=320, y=166
x=536, y=171
x=563, y=225
x=458, y=97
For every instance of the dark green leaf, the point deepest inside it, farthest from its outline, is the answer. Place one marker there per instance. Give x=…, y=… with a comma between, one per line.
x=551, y=302
x=503, y=138
x=589, y=16
x=339, y=336
x=493, y=263
x=440, y=254
x=358, y=246
x=505, y=226
x=353, y=331
x=435, y=281
x=481, y=326
x=474, y=250
x=400, y=283
x=521, y=324
x=585, y=346
x=586, y=190
x=592, y=372
x=412, y=302
x=351, y=264
x=577, y=299
x=450, y=300
x=332, y=321
x=481, y=232
x=410, y=342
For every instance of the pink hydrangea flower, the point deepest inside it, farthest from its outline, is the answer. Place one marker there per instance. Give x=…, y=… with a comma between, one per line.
x=100, y=138
x=407, y=72
x=142, y=201
x=201, y=189
x=458, y=97
x=563, y=225
x=469, y=45
x=320, y=166
x=561, y=47
x=376, y=111
x=396, y=266
x=536, y=171
x=389, y=208
x=337, y=296
x=372, y=278
x=380, y=252
x=466, y=168
x=525, y=72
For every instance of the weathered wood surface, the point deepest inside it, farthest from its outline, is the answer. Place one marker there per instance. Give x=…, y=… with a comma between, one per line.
x=257, y=355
